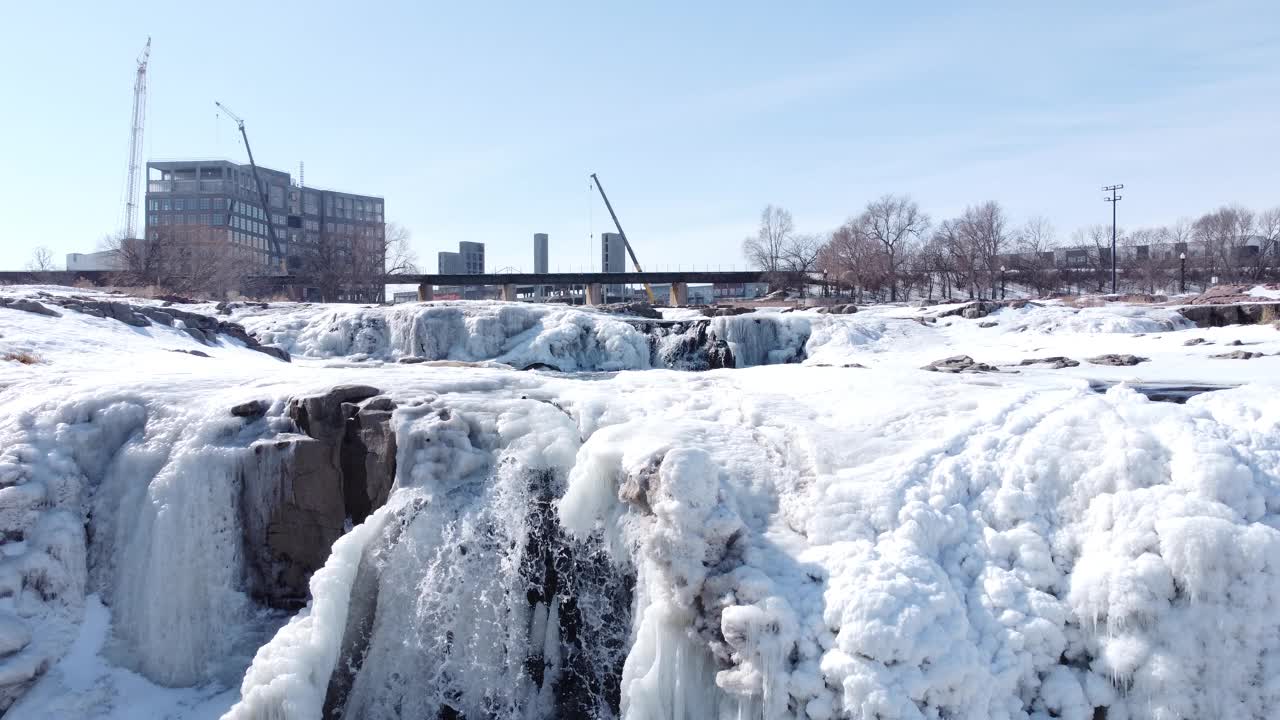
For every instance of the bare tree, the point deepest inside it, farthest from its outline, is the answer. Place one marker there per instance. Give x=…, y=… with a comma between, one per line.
x=1147, y=259
x=894, y=222
x=194, y=260
x=41, y=260
x=1267, y=227
x=375, y=255
x=765, y=249
x=800, y=258
x=1226, y=233
x=852, y=260
x=1035, y=261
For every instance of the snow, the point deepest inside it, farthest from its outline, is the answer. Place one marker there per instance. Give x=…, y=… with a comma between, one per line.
x=1269, y=292
x=790, y=539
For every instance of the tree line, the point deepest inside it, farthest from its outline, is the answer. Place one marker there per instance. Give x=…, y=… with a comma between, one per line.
x=202, y=261
x=892, y=250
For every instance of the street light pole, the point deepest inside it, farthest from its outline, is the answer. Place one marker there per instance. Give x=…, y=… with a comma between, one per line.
x=1113, y=199
x=1182, y=273
x=1001, y=282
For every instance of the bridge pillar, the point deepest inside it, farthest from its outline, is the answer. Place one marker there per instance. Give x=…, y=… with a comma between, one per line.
x=679, y=294
x=508, y=293
x=426, y=292
x=594, y=294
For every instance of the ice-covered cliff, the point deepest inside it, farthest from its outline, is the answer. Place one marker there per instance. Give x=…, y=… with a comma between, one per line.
x=339, y=537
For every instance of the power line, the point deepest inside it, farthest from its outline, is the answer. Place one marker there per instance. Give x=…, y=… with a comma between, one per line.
x=1113, y=199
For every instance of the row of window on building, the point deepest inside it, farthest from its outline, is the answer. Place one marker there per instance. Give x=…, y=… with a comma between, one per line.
x=353, y=208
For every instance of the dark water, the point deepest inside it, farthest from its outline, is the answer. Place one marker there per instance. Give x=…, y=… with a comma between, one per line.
x=1162, y=392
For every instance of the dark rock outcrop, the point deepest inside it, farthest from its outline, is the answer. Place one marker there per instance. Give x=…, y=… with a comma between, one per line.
x=299, y=490
x=1237, y=314
x=202, y=328
x=728, y=311
x=251, y=409
x=1238, y=355
x=1195, y=341
x=368, y=456
x=1056, y=362
x=638, y=309
x=844, y=309
x=959, y=364
x=293, y=512
x=30, y=306
x=1118, y=360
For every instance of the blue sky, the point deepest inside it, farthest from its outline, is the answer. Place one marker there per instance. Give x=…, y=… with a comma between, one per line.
x=482, y=121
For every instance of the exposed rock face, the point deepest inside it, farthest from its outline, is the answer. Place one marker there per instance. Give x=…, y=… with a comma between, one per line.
x=202, y=328
x=252, y=409
x=1240, y=314
x=1238, y=355
x=30, y=306
x=638, y=309
x=368, y=460
x=988, y=324
x=1194, y=341
x=846, y=309
x=322, y=416
x=1117, y=359
x=971, y=310
x=724, y=311
x=293, y=513
x=1056, y=362
x=301, y=489
x=959, y=364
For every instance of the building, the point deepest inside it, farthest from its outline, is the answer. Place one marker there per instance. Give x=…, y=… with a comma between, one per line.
x=613, y=258
x=449, y=263
x=469, y=260
x=105, y=260
x=540, y=247
x=215, y=206
x=540, y=242
x=472, y=257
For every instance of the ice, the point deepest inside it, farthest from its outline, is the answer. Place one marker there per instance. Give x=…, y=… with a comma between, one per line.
x=783, y=540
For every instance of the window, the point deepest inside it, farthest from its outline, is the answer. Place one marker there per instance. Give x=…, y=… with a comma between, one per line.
x=153, y=205
x=153, y=219
x=219, y=219
x=167, y=205
x=178, y=203
x=193, y=219
x=328, y=227
x=204, y=219
x=219, y=203
x=204, y=203
x=165, y=219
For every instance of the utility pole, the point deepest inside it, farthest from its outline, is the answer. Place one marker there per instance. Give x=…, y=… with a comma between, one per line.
x=1113, y=199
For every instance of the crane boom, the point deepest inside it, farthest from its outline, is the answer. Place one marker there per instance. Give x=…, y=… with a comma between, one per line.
x=626, y=243
x=135, y=141
x=276, y=253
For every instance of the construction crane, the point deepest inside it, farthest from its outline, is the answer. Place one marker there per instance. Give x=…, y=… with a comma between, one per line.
x=276, y=253
x=626, y=243
x=135, y=142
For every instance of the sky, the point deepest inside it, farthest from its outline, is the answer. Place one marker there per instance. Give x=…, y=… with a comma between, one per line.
x=483, y=121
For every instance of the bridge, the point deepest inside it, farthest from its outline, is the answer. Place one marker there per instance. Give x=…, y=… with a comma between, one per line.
x=592, y=283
